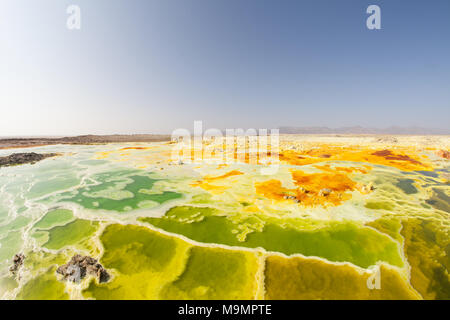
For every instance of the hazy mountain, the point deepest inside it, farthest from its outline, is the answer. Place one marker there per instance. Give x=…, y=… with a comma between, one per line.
x=361, y=130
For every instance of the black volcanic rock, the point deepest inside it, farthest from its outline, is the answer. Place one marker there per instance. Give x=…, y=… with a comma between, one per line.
x=22, y=158
x=17, y=263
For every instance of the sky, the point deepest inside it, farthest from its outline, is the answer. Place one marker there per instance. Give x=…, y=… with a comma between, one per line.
x=152, y=66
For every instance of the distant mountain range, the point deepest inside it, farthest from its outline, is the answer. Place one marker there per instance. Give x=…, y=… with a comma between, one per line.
x=361, y=130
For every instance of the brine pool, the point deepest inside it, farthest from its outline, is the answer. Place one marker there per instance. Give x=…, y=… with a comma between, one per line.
x=203, y=231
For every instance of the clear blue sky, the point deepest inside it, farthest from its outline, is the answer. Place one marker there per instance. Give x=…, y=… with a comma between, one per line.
x=145, y=66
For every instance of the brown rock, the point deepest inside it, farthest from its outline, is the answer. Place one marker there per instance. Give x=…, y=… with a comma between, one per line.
x=80, y=266
x=17, y=263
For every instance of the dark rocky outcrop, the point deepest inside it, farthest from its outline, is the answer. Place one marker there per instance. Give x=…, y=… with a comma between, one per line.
x=6, y=143
x=80, y=266
x=22, y=158
x=17, y=263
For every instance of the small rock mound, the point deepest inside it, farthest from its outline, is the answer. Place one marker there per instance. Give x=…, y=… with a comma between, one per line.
x=366, y=188
x=325, y=192
x=80, y=266
x=17, y=263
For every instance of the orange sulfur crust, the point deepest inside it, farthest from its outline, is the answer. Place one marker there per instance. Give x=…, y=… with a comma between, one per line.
x=327, y=167
x=135, y=148
x=204, y=184
x=313, y=189
x=397, y=159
